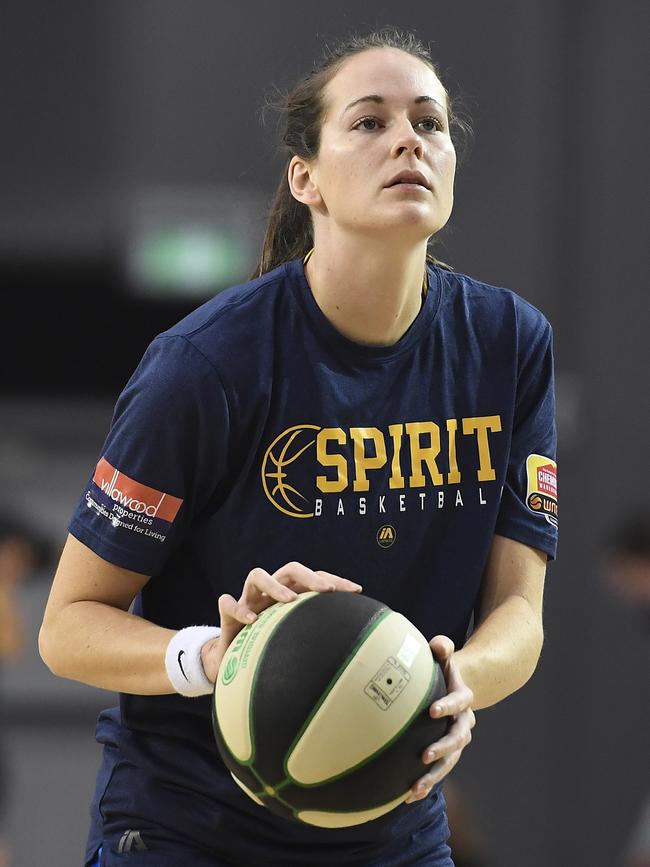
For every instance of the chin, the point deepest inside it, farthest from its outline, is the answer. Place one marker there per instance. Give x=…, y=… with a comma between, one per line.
x=417, y=222
x=410, y=219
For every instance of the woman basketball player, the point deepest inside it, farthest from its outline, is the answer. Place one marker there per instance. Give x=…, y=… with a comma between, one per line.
x=357, y=409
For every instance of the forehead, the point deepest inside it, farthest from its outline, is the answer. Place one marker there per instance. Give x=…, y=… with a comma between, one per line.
x=388, y=72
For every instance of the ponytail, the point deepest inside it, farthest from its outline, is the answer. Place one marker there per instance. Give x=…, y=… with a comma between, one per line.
x=289, y=231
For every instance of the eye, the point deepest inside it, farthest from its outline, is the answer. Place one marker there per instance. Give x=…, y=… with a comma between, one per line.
x=431, y=124
x=367, y=123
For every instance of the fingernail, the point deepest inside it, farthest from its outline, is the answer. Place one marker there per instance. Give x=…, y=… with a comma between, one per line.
x=438, y=709
x=431, y=755
x=251, y=617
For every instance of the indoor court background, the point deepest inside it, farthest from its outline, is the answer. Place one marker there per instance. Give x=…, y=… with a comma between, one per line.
x=126, y=126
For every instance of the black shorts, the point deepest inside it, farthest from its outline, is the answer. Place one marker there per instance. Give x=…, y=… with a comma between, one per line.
x=176, y=856
x=142, y=816
x=127, y=850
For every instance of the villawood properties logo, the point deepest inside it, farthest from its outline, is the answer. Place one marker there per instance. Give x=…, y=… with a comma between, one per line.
x=132, y=505
x=308, y=470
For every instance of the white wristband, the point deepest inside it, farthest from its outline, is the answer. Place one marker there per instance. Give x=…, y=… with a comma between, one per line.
x=183, y=660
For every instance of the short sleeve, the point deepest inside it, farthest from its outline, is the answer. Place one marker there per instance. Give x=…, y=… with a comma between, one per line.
x=528, y=509
x=164, y=460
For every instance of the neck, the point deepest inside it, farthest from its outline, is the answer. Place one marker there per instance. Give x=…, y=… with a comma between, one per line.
x=370, y=292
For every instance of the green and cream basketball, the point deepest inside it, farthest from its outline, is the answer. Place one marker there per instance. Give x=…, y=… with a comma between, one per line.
x=320, y=708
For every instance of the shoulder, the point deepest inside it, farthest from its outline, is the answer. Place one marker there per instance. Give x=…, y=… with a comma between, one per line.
x=235, y=305
x=214, y=340
x=240, y=317
x=493, y=307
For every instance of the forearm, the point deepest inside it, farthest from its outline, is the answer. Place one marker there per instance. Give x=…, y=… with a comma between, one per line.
x=502, y=653
x=106, y=647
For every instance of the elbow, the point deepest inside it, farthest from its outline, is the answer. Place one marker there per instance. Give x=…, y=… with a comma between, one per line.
x=48, y=646
x=524, y=664
x=534, y=654
x=538, y=644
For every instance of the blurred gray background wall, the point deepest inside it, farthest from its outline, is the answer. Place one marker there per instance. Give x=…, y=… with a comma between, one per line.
x=106, y=101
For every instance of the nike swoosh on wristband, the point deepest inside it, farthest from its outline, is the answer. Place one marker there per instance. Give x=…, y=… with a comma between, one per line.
x=180, y=665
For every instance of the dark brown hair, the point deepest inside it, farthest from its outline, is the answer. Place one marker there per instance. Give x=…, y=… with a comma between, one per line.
x=289, y=231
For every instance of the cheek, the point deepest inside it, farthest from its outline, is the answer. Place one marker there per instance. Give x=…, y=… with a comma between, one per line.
x=342, y=173
x=446, y=166
x=448, y=156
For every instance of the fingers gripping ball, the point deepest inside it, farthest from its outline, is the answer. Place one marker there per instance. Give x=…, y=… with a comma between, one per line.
x=321, y=708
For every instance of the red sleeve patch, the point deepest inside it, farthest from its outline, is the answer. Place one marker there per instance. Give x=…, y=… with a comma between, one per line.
x=133, y=495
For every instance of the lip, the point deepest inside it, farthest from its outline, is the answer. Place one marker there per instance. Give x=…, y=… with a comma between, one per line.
x=410, y=177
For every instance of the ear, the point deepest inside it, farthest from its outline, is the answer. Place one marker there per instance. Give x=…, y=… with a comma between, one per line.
x=302, y=182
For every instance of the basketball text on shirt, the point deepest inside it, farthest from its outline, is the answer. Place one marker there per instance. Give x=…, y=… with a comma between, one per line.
x=428, y=449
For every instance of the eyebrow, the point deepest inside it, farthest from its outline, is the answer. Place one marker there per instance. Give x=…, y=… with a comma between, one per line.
x=374, y=97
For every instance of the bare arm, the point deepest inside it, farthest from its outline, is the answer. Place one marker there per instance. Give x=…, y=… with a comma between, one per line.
x=498, y=658
x=503, y=651
x=88, y=633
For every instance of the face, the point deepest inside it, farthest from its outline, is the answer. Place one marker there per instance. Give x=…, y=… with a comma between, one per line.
x=385, y=121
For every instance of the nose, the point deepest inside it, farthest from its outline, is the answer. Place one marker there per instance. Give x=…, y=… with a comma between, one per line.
x=406, y=140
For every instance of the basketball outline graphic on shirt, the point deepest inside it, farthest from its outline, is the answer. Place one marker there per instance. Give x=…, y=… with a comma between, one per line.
x=282, y=461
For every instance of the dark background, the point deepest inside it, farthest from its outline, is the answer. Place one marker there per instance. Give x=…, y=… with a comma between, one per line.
x=104, y=100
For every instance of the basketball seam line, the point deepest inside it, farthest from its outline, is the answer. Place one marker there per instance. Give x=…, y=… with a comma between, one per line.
x=374, y=622
x=249, y=762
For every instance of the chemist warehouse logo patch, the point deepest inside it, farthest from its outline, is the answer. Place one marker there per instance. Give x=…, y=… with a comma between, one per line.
x=131, y=505
x=308, y=471
x=541, y=497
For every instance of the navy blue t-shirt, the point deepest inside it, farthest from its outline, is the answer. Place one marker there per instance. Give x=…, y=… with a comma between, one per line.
x=252, y=434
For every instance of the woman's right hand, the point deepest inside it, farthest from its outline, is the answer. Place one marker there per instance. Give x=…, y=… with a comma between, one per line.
x=259, y=592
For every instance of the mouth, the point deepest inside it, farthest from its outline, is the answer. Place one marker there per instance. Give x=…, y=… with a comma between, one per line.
x=411, y=180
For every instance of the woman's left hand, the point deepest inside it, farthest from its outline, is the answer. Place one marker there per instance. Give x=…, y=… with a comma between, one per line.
x=456, y=704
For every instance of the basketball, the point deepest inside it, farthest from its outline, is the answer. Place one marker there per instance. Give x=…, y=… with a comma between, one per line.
x=320, y=708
